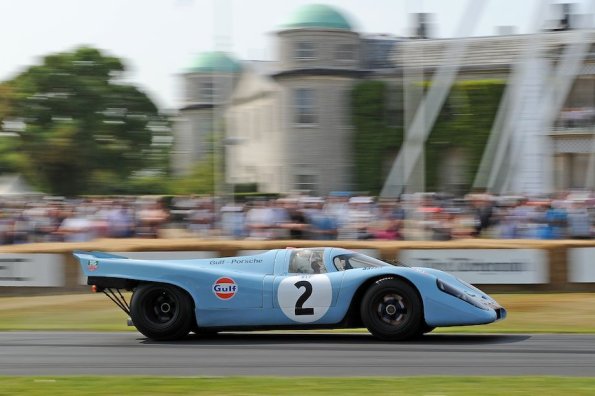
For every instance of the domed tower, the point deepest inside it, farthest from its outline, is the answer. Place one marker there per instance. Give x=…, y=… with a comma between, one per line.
x=319, y=62
x=207, y=83
x=318, y=36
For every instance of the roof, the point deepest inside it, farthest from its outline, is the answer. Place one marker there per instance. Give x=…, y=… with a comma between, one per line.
x=214, y=61
x=317, y=16
x=490, y=51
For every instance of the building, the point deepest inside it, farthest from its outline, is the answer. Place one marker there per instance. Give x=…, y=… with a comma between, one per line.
x=208, y=84
x=288, y=126
x=287, y=122
x=543, y=139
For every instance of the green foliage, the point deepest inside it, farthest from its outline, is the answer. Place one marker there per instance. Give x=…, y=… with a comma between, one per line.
x=201, y=179
x=376, y=141
x=5, y=103
x=464, y=123
x=86, y=131
x=149, y=185
x=10, y=158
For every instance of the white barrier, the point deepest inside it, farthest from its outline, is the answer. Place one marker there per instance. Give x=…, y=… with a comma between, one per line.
x=484, y=266
x=31, y=270
x=581, y=265
x=368, y=252
x=563, y=265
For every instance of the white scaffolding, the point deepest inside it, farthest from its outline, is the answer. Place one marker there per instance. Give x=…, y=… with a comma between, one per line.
x=519, y=154
x=429, y=108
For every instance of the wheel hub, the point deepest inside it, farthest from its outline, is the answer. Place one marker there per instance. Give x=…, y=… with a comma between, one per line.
x=392, y=309
x=162, y=307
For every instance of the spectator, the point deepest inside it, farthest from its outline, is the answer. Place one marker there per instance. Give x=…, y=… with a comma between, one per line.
x=260, y=220
x=579, y=221
x=296, y=223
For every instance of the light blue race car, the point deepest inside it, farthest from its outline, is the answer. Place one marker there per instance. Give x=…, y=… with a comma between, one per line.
x=306, y=288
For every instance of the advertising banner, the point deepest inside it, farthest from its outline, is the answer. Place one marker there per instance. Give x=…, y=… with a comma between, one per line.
x=35, y=269
x=484, y=266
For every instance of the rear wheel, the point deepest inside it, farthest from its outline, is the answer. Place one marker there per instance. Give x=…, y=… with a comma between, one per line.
x=392, y=310
x=161, y=311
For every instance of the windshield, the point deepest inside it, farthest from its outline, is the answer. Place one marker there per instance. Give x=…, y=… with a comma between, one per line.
x=349, y=261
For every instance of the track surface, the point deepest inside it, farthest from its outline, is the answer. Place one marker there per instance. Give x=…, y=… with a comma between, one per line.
x=65, y=353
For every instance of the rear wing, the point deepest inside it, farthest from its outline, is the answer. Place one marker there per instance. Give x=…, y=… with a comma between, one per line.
x=89, y=263
x=97, y=255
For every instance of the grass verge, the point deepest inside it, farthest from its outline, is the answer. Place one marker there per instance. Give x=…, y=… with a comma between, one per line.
x=297, y=386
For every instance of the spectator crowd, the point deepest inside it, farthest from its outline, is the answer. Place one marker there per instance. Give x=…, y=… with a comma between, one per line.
x=338, y=216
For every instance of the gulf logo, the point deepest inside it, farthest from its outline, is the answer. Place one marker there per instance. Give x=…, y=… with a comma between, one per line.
x=225, y=288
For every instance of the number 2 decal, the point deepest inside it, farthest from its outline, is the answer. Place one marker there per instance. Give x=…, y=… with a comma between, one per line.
x=299, y=305
x=305, y=298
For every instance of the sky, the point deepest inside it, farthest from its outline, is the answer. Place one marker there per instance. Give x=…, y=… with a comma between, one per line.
x=157, y=39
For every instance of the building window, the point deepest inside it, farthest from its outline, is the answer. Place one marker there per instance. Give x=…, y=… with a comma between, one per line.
x=345, y=52
x=306, y=183
x=304, y=50
x=207, y=91
x=305, y=112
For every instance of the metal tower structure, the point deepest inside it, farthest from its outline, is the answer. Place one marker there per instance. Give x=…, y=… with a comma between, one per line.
x=427, y=112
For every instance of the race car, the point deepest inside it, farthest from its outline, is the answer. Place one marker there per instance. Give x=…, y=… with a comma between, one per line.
x=305, y=288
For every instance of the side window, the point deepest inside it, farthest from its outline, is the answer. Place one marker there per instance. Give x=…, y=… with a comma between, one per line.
x=342, y=262
x=304, y=107
x=306, y=261
x=345, y=52
x=306, y=183
x=207, y=91
x=304, y=50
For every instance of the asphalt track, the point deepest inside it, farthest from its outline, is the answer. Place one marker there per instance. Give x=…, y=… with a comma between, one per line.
x=288, y=354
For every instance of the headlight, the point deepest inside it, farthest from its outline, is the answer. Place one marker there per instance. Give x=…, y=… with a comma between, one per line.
x=453, y=291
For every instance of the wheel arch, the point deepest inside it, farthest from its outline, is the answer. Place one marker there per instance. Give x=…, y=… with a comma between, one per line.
x=105, y=282
x=167, y=282
x=353, y=316
x=156, y=322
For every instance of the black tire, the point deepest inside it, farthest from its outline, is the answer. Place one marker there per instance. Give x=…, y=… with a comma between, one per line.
x=425, y=329
x=392, y=310
x=161, y=311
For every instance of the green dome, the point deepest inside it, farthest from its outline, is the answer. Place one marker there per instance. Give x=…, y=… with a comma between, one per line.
x=317, y=16
x=214, y=62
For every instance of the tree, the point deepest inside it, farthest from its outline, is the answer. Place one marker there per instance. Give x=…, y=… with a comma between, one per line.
x=201, y=179
x=84, y=129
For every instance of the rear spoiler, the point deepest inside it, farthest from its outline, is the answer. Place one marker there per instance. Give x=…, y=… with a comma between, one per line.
x=98, y=255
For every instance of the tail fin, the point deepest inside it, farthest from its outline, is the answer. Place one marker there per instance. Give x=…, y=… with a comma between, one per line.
x=96, y=254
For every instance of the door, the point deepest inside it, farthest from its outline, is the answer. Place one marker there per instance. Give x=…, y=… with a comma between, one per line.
x=305, y=287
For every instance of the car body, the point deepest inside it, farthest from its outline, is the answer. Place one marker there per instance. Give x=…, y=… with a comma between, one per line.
x=289, y=288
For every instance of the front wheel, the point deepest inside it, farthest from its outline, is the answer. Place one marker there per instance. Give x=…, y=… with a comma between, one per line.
x=392, y=310
x=161, y=311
